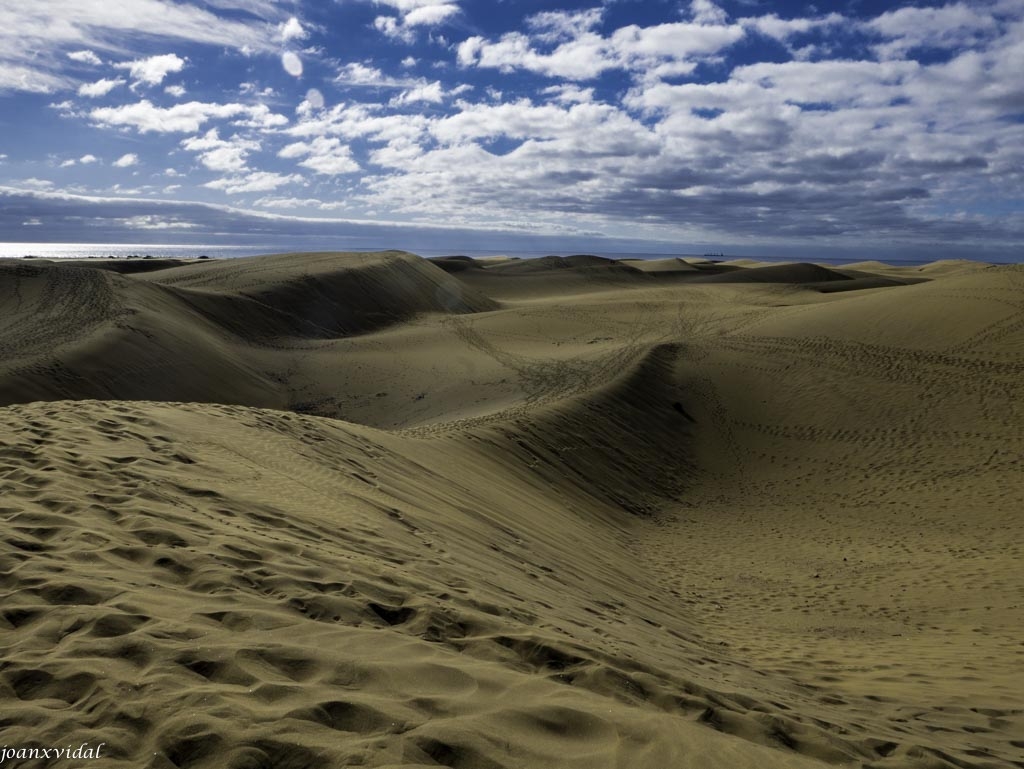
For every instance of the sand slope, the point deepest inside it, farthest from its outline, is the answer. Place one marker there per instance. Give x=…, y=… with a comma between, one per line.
x=215, y=332
x=741, y=524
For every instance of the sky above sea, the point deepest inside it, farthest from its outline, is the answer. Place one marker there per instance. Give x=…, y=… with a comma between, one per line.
x=844, y=130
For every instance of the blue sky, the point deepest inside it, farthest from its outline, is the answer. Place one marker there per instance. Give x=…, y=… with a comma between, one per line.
x=622, y=125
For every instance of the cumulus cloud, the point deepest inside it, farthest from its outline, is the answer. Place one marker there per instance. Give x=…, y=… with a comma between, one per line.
x=292, y=30
x=252, y=89
x=428, y=93
x=566, y=45
x=827, y=149
x=553, y=26
x=324, y=155
x=84, y=160
x=145, y=117
x=358, y=74
x=153, y=69
x=391, y=26
x=413, y=14
x=429, y=15
x=127, y=160
x=85, y=57
x=706, y=12
x=783, y=30
x=34, y=183
x=223, y=155
x=948, y=27
x=100, y=87
x=569, y=93
x=257, y=181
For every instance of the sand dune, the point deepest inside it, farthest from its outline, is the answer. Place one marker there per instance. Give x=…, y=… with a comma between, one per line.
x=549, y=263
x=799, y=272
x=223, y=332
x=671, y=265
x=456, y=263
x=408, y=520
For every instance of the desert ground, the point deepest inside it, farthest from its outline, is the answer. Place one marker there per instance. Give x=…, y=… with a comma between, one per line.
x=337, y=510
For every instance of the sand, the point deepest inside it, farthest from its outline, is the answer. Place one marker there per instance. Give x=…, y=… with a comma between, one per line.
x=339, y=510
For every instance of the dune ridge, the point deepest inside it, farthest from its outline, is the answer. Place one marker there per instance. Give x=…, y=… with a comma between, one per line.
x=657, y=523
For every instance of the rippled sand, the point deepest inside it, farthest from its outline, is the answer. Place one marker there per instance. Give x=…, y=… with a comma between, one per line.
x=333, y=510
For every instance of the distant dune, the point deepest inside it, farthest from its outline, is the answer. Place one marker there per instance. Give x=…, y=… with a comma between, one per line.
x=663, y=265
x=800, y=272
x=334, y=510
x=217, y=332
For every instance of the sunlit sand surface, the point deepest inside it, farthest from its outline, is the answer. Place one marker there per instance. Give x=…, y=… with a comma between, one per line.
x=334, y=510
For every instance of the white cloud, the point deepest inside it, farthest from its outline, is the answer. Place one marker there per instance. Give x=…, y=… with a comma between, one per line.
x=553, y=26
x=582, y=54
x=324, y=155
x=177, y=91
x=68, y=163
x=782, y=148
x=706, y=12
x=292, y=30
x=582, y=128
x=293, y=203
x=100, y=87
x=35, y=35
x=570, y=93
x=391, y=26
x=257, y=181
x=429, y=93
x=85, y=57
x=272, y=202
x=783, y=29
x=951, y=26
x=430, y=15
x=145, y=117
x=259, y=116
x=34, y=184
x=359, y=74
x=413, y=14
x=223, y=155
x=155, y=222
x=87, y=159
x=254, y=90
x=127, y=160
x=153, y=69
x=406, y=7
x=354, y=121
x=16, y=77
